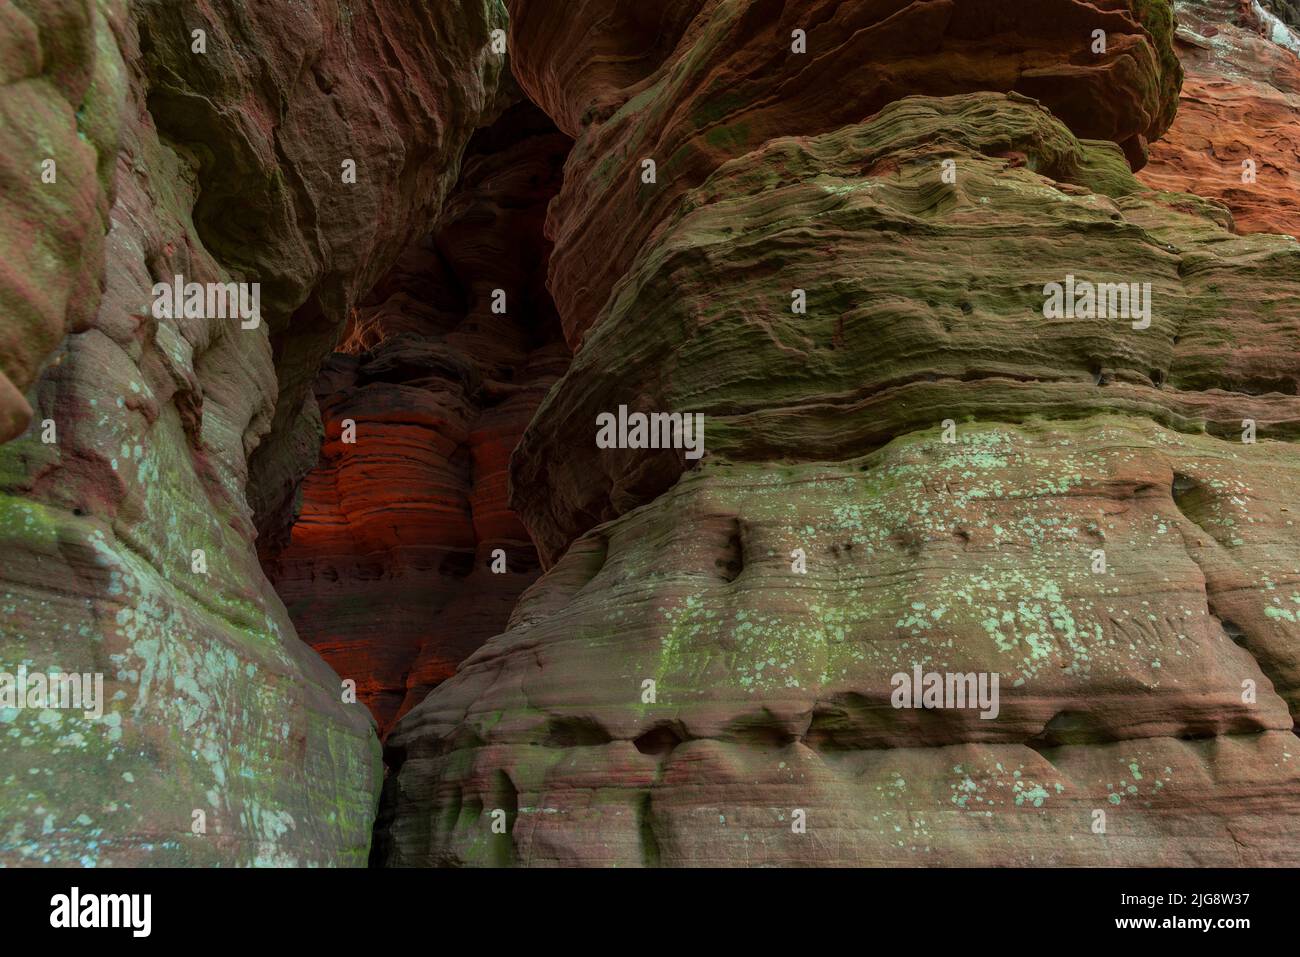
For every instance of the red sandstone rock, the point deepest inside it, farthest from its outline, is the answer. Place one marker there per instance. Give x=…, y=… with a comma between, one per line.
x=708, y=80
x=1123, y=688
x=62, y=87
x=924, y=470
x=1240, y=102
x=1120, y=692
x=388, y=573
x=127, y=541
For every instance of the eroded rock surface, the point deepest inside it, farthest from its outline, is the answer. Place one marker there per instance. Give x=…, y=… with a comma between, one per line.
x=918, y=293
x=62, y=91
x=1236, y=138
x=921, y=470
x=1120, y=692
x=732, y=83
x=944, y=459
x=126, y=531
x=389, y=572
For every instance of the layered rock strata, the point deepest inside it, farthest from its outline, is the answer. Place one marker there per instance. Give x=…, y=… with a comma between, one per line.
x=405, y=556
x=926, y=469
x=124, y=519
x=1236, y=138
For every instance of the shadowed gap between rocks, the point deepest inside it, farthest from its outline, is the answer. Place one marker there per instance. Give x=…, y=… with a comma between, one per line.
x=397, y=553
x=392, y=567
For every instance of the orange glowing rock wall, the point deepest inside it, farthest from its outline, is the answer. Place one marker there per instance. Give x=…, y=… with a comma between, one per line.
x=389, y=569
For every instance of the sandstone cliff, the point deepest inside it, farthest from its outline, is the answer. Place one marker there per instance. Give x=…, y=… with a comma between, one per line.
x=125, y=524
x=1236, y=138
x=832, y=230
x=924, y=470
x=405, y=557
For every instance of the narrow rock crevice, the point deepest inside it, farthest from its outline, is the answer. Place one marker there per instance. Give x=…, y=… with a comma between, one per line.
x=404, y=556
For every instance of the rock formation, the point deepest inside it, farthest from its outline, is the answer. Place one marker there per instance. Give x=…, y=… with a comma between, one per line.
x=125, y=522
x=844, y=257
x=390, y=571
x=985, y=315
x=62, y=87
x=1236, y=138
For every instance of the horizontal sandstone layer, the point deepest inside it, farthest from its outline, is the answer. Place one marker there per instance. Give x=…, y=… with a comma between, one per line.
x=924, y=301
x=405, y=557
x=1120, y=690
x=733, y=82
x=1236, y=138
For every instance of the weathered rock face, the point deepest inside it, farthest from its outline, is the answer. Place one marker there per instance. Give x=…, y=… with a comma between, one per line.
x=62, y=87
x=389, y=573
x=741, y=86
x=1286, y=11
x=127, y=535
x=1119, y=692
x=1237, y=135
x=927, y=470
x=286, y=95
x=944, y=303
x=830, y=228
